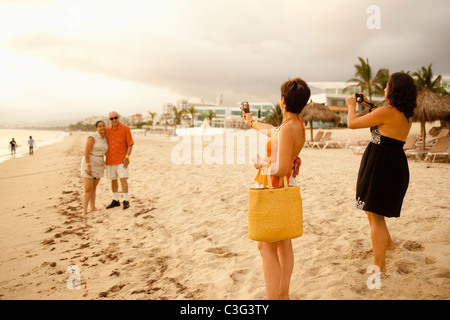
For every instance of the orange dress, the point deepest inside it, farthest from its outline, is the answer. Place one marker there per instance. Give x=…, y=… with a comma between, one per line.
x=271, y=154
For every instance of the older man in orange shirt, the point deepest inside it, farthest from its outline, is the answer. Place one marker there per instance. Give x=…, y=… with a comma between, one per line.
x=120, y=144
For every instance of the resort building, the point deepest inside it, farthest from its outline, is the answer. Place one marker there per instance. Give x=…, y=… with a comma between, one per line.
x=332, y=95
x=328, y=93
x=221, y=116
x=445, y=82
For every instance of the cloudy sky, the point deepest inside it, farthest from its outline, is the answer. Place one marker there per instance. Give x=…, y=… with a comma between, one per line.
x=65, y=59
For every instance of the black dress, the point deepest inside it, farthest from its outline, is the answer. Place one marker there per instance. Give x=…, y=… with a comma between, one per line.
x=383, y=176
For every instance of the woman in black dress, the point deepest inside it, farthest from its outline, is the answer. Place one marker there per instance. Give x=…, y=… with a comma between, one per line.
x=383, y=174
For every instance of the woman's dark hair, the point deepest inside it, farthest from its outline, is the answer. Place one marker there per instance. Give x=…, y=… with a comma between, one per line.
x=402, y=93
x=99, y=121
x=296, y=94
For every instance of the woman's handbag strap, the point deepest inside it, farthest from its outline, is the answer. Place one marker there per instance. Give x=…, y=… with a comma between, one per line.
x=269, y=180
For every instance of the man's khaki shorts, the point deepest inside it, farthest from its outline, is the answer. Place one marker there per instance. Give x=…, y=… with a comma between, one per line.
x=116, y=171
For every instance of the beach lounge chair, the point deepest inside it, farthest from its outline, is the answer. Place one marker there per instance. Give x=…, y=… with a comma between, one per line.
x=410, y=142
x=343, y=144
x=321, y=143
x=361, y=147
x=430, y=141
x=440, y=146
x=444, y=132
x=318, y=136
x=445, y=153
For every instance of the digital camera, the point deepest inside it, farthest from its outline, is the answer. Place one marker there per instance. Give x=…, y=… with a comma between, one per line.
x=245, y=107
x=359, y=97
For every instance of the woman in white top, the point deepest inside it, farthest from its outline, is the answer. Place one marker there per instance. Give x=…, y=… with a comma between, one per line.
x=93, y=164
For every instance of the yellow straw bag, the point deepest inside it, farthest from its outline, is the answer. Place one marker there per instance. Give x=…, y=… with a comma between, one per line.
x=275, y=214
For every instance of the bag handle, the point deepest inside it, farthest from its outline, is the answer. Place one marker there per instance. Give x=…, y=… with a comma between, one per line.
x=269, y=180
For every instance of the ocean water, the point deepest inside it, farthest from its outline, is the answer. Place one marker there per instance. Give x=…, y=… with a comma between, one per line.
x=41, y=138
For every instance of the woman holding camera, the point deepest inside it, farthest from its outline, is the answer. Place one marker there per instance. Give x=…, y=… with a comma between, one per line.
x=282, y=150
x=383, y=176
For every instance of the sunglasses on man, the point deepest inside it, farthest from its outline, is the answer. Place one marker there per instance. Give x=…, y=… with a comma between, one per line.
x=113, y=118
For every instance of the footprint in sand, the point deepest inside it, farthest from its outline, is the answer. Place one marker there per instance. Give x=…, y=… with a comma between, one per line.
x=113, y=289
x=405, y=267
x=199, y=235
x=236, y=275
x=413, y=246
x=221, y=252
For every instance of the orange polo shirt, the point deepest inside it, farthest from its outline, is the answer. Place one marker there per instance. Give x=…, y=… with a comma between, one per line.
x=119, y=139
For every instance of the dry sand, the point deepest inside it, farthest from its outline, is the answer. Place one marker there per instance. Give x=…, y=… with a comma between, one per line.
x=185, y=234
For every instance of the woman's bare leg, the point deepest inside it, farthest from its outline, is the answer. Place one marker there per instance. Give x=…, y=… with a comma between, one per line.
x=286, y=258
x=380, y=239
x=88, y=189
x=94, y=194
x=271, y=268
x=391, y=244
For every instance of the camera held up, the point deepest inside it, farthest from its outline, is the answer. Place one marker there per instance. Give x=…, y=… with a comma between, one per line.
x=359, y=98
x=245, y=107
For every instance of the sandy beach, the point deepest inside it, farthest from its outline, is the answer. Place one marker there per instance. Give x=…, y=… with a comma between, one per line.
x=185, y=234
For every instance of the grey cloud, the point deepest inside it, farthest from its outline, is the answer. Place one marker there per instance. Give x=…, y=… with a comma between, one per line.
x=249, y=48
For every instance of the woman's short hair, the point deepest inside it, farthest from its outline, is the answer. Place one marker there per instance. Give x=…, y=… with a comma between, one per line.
x=296, y=94
x=402, y=93
x=98, y=122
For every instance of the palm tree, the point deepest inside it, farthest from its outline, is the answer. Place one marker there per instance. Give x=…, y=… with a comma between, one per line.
x=365, y=80
x=380, y=82
x=210, y=116
x=153, y=115
x=424, y=79
x=425, y=84
x=276, y=116
x=192, y=111
x=178, y=115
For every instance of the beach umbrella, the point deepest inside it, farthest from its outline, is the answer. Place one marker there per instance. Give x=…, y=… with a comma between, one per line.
x=430, y=107
x=318, y=112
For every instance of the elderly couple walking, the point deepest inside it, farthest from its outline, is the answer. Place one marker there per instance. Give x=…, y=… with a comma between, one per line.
x=116, y=142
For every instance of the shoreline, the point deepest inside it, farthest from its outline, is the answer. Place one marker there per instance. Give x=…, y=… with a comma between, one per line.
x=23, y=150
x=185, y=237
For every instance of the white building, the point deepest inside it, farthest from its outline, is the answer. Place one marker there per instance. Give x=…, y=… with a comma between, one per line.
x=445, y=82
x=332, y=93
x=223, y=116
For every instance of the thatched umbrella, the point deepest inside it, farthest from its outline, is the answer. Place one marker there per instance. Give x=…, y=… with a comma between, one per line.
x=318, y=112
x=430, y=107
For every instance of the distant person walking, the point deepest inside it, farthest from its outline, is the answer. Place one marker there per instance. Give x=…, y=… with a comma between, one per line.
x=93, y=164
x=383, y=176
x=120, y=142
x=13, y=146
x=31, y=145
